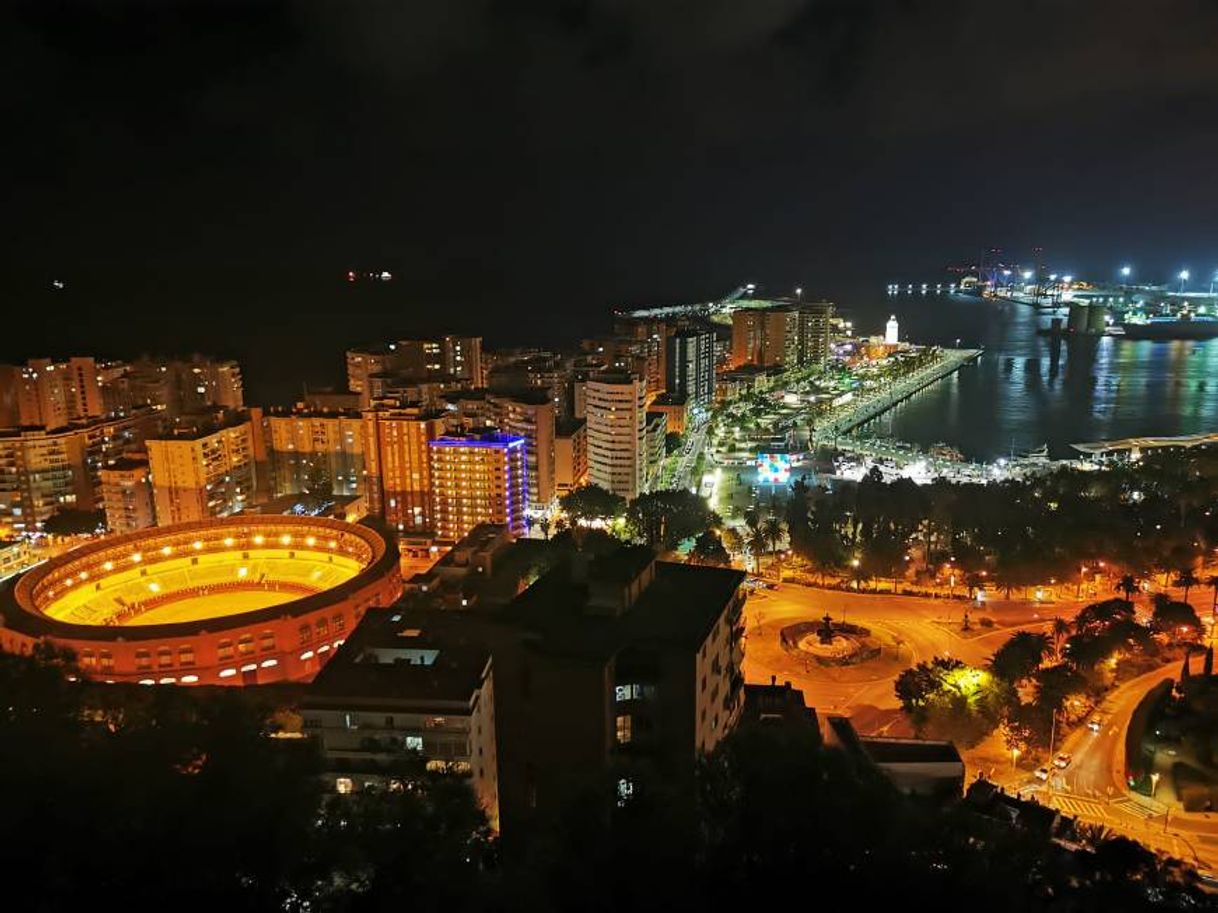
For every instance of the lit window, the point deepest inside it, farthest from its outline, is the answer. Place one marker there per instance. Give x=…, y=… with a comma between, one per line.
x=414, y=743
x=624, y=729
x=343, y=785
x=625, y=791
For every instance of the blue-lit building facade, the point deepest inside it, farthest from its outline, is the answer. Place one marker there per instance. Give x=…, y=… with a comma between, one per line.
x=476, y=479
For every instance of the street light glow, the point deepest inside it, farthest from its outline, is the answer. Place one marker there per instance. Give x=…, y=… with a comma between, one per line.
x=1126, y=270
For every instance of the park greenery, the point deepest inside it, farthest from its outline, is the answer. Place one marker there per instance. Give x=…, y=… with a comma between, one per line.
x=1037, y=681
x=68, y=521
x=1150, y=517
x=160, y=797
x=666, y=520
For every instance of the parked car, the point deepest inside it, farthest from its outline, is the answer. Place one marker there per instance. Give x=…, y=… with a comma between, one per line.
x=1095, y=724
x=1062, y=761
x=1042, y=773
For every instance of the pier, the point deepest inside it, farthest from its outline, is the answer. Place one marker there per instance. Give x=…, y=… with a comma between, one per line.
x=1133, y=446
x=861, y=413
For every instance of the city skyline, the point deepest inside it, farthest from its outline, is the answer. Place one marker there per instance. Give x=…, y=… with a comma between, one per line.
x=232, y=164
x=545, y=454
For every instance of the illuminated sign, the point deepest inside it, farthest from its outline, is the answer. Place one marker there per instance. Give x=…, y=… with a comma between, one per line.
x=773, y=468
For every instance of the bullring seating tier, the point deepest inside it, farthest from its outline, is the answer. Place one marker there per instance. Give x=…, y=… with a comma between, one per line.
x=228, y=582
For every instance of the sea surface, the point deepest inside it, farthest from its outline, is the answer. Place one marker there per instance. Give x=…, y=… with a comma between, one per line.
x=1029, y=390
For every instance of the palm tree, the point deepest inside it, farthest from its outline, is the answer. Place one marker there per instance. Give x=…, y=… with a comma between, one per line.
x=1186, y=579
x=732, y=540
x=1093, y=834
x=756, y=544
x=1212, y=582
x=773, y=529
x=1127, y=585
x=1061, y=631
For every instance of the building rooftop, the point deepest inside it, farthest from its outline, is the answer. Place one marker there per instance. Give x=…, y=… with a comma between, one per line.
x=625, y=597
x=488, y=439
x=777, y=703
x=883, y=750
x=388, y=658
x=568, y=427
x=127, y=464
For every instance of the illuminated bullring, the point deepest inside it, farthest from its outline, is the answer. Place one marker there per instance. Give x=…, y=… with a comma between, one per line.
x=236, y=601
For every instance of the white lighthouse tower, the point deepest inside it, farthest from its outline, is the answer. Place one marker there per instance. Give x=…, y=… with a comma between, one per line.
x=890, y=331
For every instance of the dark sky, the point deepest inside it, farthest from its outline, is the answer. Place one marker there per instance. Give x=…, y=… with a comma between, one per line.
x=201, y=175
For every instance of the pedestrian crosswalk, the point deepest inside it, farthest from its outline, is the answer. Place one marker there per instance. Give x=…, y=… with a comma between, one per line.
x=1081, y=808
x=1134, y=807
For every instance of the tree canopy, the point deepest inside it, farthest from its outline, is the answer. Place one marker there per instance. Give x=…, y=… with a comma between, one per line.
x=664, y=519
x=69, y=521
x=591, y=502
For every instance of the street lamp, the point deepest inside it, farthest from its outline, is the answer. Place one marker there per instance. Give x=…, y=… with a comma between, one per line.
x=1125, y=271
x=1183, y=277
x=1014, y=757
x=1154, y=783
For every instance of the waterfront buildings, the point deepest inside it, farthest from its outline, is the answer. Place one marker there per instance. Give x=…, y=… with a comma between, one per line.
x=570, y=456
x=174, y=386
x=364, y=362
x=50, y=394
x=202, y=473
x=45, y=470
x=675, y=410
x=126, y=495
x=455, y=359
x=691, y=366
x=759, y=337
x=642, y=344
x=398, y=465
x=41, y=472
x=616, y=405
x=315, y=452
x=530, y=415
x=655, y=432
x=478, y=479
x=540, y=370
x=463, y=359
x=793, y=335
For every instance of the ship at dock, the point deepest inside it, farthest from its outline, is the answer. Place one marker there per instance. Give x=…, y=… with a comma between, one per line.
x=1183, y=325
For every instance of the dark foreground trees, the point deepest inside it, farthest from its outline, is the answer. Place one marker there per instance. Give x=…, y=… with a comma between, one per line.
x=157, y=798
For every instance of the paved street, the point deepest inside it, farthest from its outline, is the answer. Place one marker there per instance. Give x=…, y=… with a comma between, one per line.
x=910, y=629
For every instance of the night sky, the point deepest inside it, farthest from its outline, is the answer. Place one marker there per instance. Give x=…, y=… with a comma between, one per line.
x=202, y=175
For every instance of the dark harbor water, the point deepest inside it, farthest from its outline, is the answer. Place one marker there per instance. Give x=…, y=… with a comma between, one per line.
x=1028, y=390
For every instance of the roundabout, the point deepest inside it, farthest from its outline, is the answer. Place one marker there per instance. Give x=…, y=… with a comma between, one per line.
x=831, y=643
